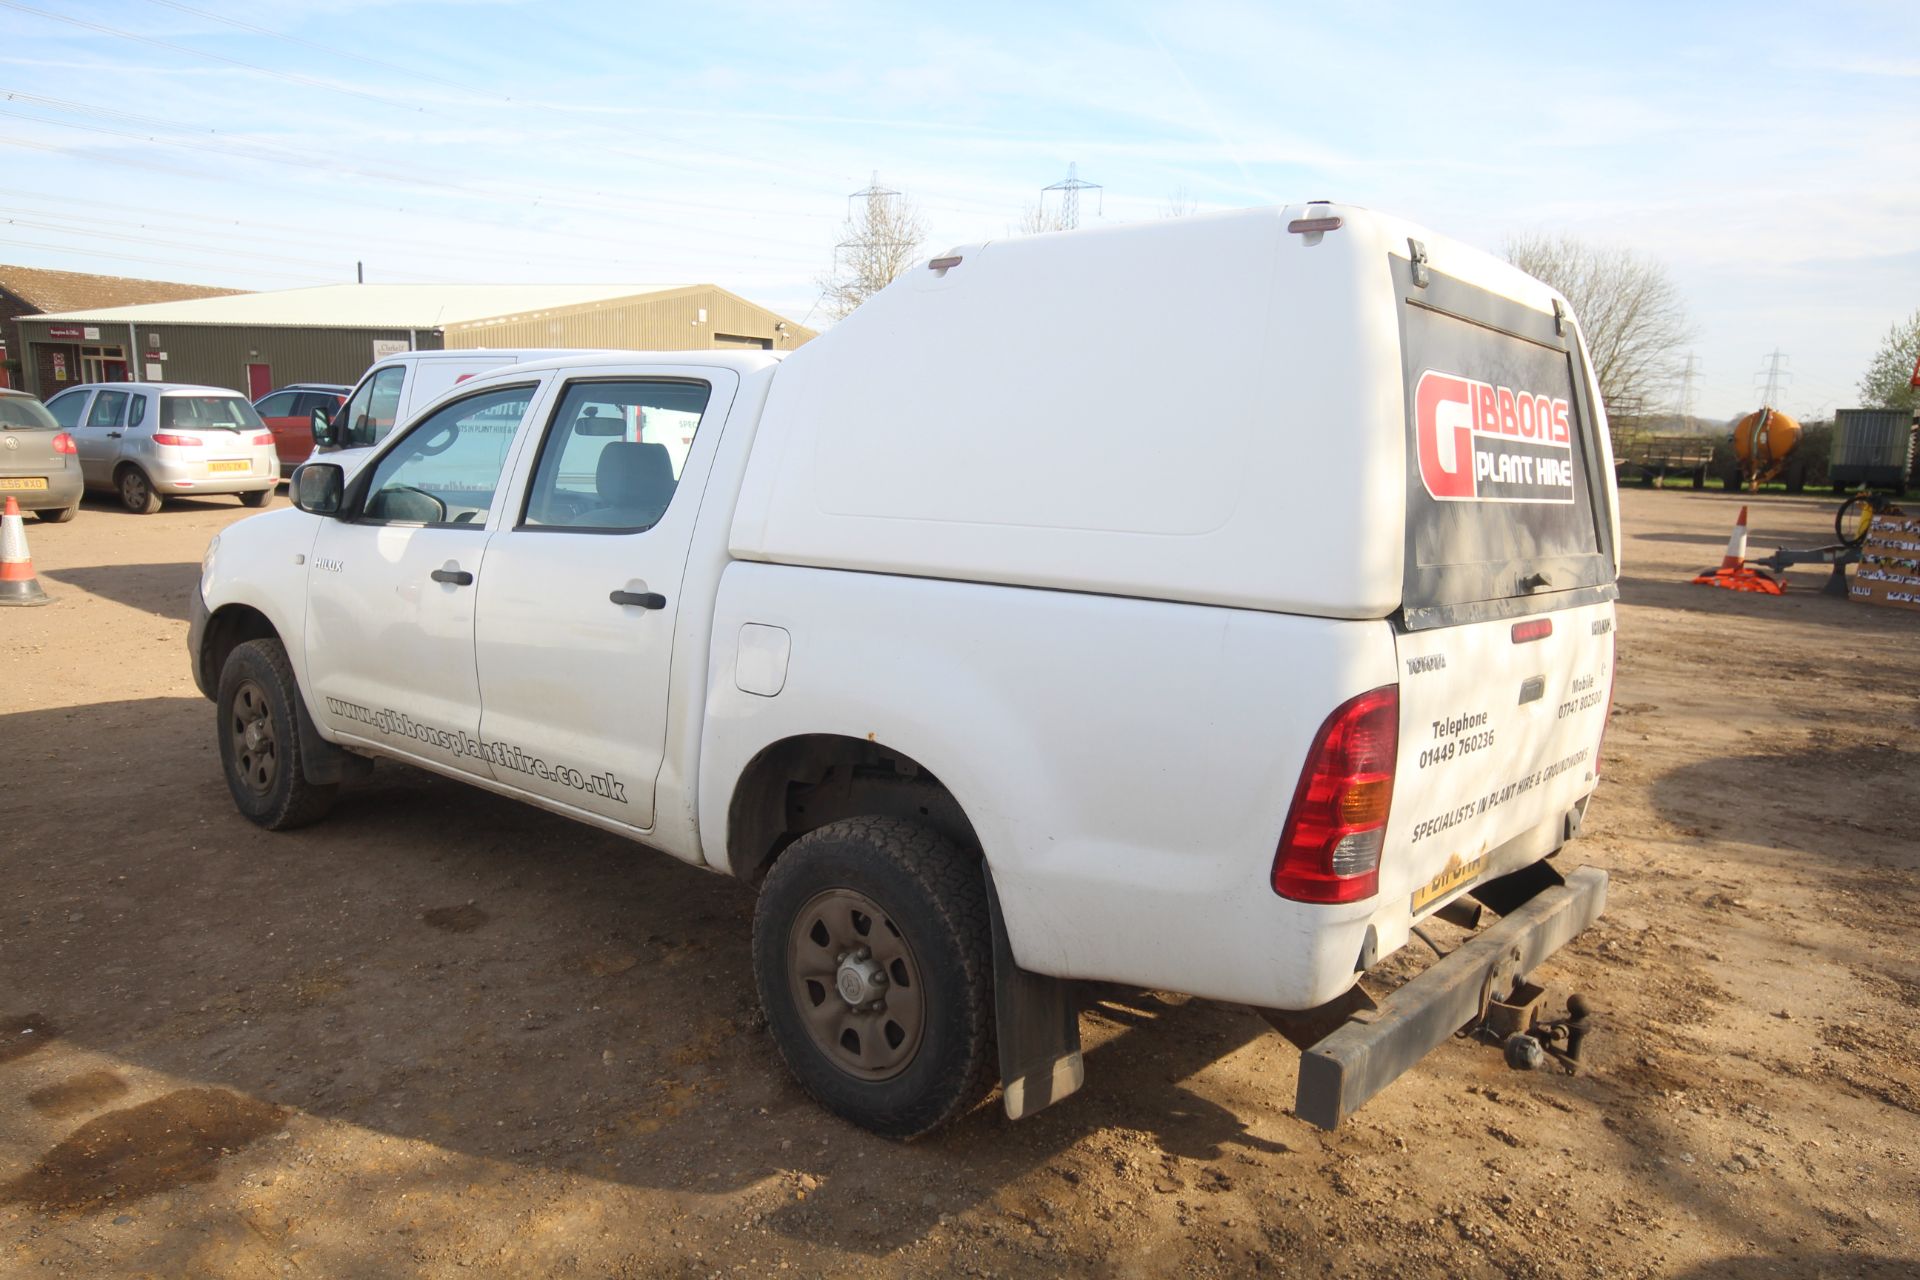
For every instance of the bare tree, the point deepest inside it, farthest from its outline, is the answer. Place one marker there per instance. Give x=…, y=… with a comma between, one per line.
x=1887, y=383
x=879, y=241
x=1179, y=204
x=1036, y=218
x=1632, y=315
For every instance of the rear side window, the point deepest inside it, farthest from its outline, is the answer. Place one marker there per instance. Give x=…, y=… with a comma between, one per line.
x=1506, y=494
x=281, y=404
x=21, y=414
x=109, y=409
x=613, y=455
x=136, y=410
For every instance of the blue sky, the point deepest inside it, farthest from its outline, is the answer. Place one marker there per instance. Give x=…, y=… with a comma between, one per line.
x=1768, y=155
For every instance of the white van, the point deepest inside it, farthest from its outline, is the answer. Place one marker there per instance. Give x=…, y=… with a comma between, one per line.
x=395, y=387
x=990, y=684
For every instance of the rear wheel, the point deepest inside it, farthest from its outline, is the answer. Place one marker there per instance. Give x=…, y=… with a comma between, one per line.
x=259, y=736
x=58, y=515
x=258, y=498
x=872, y=949
x=136, y=492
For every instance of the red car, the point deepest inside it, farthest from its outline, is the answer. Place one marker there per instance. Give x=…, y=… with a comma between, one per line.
x=288, y=413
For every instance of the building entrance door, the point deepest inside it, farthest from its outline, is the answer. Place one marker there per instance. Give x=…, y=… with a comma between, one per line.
x=259, y=380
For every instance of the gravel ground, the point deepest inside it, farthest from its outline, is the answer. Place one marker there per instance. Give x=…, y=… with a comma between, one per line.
x=444, y=1034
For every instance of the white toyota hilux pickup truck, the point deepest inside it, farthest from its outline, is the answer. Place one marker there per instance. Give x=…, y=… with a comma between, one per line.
x=1197, y=606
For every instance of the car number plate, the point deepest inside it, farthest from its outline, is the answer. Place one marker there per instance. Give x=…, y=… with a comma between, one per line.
x=235, y=464
x=23, y=482
x=1457, y=873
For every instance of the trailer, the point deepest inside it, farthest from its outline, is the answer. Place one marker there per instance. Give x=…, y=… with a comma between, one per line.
x=1872, y=448
x=1651, y=459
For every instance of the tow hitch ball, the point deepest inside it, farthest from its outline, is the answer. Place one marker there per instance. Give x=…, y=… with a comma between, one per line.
x=1526, y=1040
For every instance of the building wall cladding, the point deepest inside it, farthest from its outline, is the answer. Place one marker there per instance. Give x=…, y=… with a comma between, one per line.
x=650, y=322
x=218, y=355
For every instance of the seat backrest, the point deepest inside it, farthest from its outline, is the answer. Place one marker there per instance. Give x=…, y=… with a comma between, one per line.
x=634, y=481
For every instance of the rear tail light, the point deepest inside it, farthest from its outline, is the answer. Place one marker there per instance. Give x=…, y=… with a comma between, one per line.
x=63, y=443
x=162, y=437
x=265, y=437
x=1330, y=848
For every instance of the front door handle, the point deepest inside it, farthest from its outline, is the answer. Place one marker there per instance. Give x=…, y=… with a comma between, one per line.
x=113, y=435
x=645, y=599
x=458, y=577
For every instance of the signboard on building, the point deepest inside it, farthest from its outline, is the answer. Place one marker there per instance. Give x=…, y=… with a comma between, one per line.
x=63, y=331
x=59, y=366
x=384, y=347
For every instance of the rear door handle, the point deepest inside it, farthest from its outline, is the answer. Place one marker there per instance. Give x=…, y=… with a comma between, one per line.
x=645, y=599
x=458, y=577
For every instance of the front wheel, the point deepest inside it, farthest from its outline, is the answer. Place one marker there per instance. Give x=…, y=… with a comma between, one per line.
x=136, y=492
x=58, y=515
x=259, y=736
x=258, y=498
x=873, y=953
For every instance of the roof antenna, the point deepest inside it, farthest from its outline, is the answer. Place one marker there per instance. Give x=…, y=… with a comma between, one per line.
x=359, y=273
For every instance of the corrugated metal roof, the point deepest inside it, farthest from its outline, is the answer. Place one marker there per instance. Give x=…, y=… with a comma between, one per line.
x=370, y=306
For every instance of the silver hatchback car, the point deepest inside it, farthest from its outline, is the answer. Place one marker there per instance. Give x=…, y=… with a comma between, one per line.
x=152, y=440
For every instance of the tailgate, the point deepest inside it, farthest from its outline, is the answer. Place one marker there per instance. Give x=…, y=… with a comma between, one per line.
x=1499, y=732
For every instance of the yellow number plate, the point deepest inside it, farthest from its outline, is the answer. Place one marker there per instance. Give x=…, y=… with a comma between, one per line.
x=230, y=466
x=1456, y=874
x=23, y=482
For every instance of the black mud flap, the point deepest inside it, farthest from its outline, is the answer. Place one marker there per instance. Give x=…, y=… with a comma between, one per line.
x=322, y=762
x=1372, y=1049
x=1037, y=1021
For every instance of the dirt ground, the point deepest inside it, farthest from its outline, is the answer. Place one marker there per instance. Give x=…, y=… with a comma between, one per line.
x=443, y=1034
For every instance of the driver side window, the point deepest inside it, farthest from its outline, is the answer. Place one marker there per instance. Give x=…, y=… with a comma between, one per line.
x=448, y=467
x=369, y=415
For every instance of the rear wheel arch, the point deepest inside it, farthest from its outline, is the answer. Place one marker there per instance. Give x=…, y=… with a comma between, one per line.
x=800, y=784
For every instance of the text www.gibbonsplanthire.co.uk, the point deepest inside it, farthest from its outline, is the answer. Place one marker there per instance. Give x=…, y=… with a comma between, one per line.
x=505, y=755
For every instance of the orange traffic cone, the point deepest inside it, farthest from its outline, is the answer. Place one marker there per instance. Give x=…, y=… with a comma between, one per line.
x=1733, y=573
x=18, y=585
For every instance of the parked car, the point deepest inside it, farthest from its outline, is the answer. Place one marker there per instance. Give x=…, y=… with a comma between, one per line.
x=147, y=441
x=38, y=465
x=288, y=413
x=987, y=680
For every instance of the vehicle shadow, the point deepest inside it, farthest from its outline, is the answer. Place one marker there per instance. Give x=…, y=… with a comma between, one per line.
x=445, y=965
x=160, y=589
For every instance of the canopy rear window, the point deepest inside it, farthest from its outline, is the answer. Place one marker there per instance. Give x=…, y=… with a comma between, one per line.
x=1506, y=501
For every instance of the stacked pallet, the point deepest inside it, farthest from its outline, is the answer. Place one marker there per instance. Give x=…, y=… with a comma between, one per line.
x=1889, y=572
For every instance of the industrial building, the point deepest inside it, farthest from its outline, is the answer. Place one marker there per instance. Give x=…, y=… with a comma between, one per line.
x=258, y=341
x=34, y=291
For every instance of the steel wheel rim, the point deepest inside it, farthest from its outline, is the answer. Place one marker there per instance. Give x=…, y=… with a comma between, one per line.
x=256, y=745
x=866, y=1026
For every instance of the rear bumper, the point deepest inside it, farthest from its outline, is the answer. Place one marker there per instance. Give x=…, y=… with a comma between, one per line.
x=1369, y=1052
x=63, y=490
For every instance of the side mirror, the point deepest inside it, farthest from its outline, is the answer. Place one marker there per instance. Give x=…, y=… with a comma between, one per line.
x=318, y=488
x=323, y=436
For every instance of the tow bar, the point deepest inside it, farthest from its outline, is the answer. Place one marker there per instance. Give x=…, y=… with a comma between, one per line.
x=1374, y=1046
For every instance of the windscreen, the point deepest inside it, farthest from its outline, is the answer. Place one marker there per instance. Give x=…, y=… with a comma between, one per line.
x=209, y=413
x=1505, y=493
x=23, y=414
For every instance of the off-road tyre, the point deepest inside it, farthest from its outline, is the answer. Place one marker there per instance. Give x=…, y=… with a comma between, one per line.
x=257, y=498
x=57, y=515
x=257, y=679
x=935, y=894
x=136, y=491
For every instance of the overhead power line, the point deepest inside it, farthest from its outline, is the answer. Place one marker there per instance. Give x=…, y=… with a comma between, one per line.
x=190, y=52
